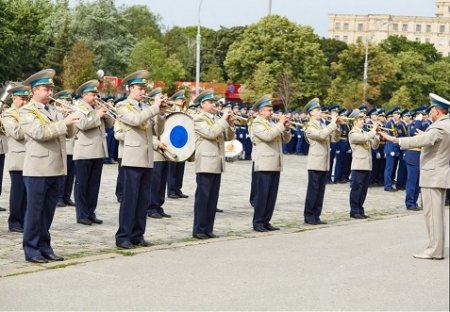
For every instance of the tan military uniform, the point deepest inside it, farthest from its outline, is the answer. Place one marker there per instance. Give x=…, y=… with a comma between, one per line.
x=210, y=135
x=434, y=179
x=267, y=138
x=15, y=138
x=138, y=137
x=90, y=141
x=319, y=144
x=362, y=143
x=158, y=128
x=45, y=133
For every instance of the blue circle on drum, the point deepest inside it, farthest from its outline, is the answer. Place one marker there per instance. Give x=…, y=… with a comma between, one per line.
x=178, y=136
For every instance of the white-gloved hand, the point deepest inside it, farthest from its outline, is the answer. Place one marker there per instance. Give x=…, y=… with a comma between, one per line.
x=419, y=117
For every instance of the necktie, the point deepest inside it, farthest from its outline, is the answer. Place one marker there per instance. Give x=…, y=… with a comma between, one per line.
x=47, y=108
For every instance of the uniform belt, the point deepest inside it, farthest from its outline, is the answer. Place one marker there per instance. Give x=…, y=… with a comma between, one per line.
x=343, y=139
x=415, y=149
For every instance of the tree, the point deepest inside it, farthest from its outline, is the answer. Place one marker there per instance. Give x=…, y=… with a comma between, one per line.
x=104, y=30
x=78, y=66
x=398, y=44
x=286, y=88
x=331, y=48
x=141, y=22
x=259, y=84
x=400, y=97
x=282, y=45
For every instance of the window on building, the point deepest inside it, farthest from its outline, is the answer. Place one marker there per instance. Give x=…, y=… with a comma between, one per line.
x=441, y=42
x=442, y=28
x=338, y=26
x=395, y=27
x=345, y=26
x=345, y=38
x=428, y=28
x=418, y=27
x=427, y=40
x=360, y=27
x=337, y=37
x=405, y=27
x=449, y=9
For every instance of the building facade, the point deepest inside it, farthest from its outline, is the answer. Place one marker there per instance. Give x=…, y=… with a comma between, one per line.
x=376, y=27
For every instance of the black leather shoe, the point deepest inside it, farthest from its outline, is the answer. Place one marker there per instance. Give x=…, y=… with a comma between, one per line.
x=37, y=259
x=125, y=245
x=155, y=215
x=390, y=189
x=260, y=228
x=173, y=196
x=2, y=209
x=142, y=243
x=165, y=215
x=365, y=216
x=414, y=208
x=270, y=227
x=16, y=230
x=356, y=216
x=53, y=257
x=212, y=235
x=60, y=204
x=322, y=222
x=200, y=236
x=84, y=221
x=69, y=202
x=311, y=222
x=181, y=195
x=95, y=220
x=219, y=210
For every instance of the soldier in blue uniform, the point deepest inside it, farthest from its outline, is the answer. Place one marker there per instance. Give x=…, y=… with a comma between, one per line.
x=402, y=130
x=380, y=171
x=412, y=161
x=343, y=151
x=391, y=150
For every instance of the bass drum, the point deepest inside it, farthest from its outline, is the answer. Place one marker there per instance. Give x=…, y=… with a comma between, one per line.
x=178, y=135
x=233, y=150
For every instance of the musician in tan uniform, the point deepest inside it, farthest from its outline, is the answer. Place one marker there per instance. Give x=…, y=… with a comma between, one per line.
x=65, y=193
x=210, y=134
x=44, y=165
x=319, y=136
x=137, y=160
x=160, y=167
x=3, y=148
x=362, y=143
x=434, y=173
x=267, y=138
x=89, y=151
x=15, y=157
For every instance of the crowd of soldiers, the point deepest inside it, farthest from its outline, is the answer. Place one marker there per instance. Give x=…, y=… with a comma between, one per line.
x=55, y=145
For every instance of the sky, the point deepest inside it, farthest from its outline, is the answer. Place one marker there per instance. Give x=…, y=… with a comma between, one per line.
x=229, y=13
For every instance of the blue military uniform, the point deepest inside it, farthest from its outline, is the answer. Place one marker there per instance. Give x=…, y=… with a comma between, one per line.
x=402, y=130
x=391, y=152
x=343, y=153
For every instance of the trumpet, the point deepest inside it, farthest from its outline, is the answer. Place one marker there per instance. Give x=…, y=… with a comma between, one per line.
x=63, y=107
x=165, y=101
x=370, y=126
x=232, y=115
x=110, y=110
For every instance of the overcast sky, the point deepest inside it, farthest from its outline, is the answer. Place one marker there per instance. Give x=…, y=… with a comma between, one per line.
x=228, y=13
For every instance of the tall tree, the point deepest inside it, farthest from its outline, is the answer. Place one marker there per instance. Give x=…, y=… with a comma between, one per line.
x=78, y=66
x=141, y=22
x=260, y=83
x=397, y=44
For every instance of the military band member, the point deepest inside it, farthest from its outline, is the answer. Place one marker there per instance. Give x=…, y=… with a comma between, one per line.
x=15, y=157
x=391, y=151
x=362, y=143
x=210, y=135
x=44, y=165
x=89, y=151
x=137, y=160
x=319, y=137
x=176, y=169
x=160, y=167
x=434, y=173
x=343, y=152
x=65, y=194
x=3, y=148
x=268, y=138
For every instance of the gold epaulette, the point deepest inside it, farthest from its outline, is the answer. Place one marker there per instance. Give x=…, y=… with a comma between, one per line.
x=142, y=126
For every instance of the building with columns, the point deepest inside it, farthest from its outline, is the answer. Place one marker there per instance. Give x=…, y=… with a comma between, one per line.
x=377, y=27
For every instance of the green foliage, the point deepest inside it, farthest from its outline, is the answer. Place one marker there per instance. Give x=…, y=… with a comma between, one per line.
x=400, y=97
x=282, y=45
x=397, y=44
x=261, y=82
x=78, y=66
x=142, y=23
x=331, y=48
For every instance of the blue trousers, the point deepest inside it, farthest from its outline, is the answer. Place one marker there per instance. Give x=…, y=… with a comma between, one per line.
x=2, y=166
x=253, y=186
x=314, y=195
x=206, y=198
x=412, y=183
x=266, y=197
x=401, y=172
x=111, y=144
x=17, y=200
x=175, y=178
x=158, y=188
x=133, y=207
x=42, y=195
x=389, y=170
x=119, y=181
x=87, y=186
x=359, y=185
x=67, y=183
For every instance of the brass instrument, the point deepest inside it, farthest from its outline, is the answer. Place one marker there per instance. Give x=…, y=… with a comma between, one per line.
x=165, y=101
x=63, y=107
x=370, y=126
x=110, y=110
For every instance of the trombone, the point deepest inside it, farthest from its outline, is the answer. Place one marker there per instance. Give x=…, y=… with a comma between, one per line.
x=110, y=110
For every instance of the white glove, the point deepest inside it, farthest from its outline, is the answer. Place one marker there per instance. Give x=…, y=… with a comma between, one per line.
x=378, y=155
x=419, y=117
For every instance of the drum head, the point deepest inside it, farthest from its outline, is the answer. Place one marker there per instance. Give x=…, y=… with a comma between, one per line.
x=233, y=150
x=179, y=137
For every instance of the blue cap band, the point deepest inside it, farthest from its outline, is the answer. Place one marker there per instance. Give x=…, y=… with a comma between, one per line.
x=21, y=93
x=137, y=81
x=89, y=89
x=42, y=81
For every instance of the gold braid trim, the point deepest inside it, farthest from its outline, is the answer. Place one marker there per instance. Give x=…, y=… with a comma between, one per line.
x=142, y=126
